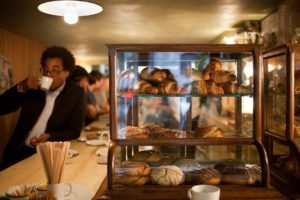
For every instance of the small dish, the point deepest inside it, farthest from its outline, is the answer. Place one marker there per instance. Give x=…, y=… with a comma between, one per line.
x=96, y=142
x=82, y=139
x=72, y=153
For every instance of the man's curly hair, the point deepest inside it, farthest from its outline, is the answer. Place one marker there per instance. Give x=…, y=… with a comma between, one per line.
x=59, y=52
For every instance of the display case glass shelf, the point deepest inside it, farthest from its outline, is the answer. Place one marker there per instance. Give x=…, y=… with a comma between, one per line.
x=177, y=100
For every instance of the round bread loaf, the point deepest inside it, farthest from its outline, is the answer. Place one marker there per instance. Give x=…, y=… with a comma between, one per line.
x=133, y=180
x=135, y=168
x=209, y=176
x=148, y=156
x=187, y=165
x=167, y=175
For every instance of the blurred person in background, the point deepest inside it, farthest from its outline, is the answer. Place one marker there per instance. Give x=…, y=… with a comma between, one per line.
x=82, y=78
x=53, y=115
x=101, y=90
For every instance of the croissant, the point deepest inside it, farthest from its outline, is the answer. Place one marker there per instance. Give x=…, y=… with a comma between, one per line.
x=168, y=87
x=144, y=87
x=214, y=89
x=153, y=74
x=135, y=168
x=222, y=76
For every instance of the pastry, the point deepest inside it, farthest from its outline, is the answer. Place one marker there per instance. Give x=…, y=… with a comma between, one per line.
x=167, y=175
x=213, y=88
x=290, y=164
x=209, y=132
x=148, y=156
x=135, y=168
x=209, y=176
x=200, y=87
x=228, y=163
x=235, y=172
x=240, y=176
x=153, y=74
x=133, y=132
x=168, y=133
x=133, y=180
x=168, y=87
x=222, y=76
x=187, y=165
x=229, y=88
x=144, y=87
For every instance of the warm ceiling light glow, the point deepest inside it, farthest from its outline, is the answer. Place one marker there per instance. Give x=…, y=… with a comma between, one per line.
x=71, y=10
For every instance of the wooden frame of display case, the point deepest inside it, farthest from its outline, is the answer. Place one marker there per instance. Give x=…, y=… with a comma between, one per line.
x=256, y=140
x=286, y=183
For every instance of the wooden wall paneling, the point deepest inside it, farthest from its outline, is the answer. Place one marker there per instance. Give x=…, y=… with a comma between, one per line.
x=24, y=55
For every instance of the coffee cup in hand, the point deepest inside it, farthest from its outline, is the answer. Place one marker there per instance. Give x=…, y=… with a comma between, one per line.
x=46, y=83
x=207, y=192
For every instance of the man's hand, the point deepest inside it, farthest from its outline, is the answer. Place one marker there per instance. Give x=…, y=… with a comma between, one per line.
x=42, y=138
x=31, y=82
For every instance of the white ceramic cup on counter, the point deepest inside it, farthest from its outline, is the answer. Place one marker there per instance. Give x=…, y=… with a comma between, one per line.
x=60, y=191
x=204, y=192
x=46, y=83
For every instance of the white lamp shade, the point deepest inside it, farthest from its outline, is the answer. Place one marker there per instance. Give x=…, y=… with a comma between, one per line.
x=59, y=8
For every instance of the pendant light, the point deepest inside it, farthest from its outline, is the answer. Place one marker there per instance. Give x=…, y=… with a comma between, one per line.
x=70, y=10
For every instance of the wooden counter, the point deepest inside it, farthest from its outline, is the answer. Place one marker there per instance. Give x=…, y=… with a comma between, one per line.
x=82, y=169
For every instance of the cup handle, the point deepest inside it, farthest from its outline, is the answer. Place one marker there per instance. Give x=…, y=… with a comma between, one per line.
x=68, y=189
x=189, y=192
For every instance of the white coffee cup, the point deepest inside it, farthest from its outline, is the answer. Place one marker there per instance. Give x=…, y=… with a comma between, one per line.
x=46, y=83
x=60, y=191
x=204, y=192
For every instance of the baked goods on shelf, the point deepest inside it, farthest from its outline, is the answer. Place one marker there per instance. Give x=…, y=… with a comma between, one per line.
x=235, y=172
x=208, y=132
x=153, y=74
x=290, y=164
x=135, y=168
x=144, y=87
x=222, y=76
x=168, y=133
x=209, y=176
x=187, y=165
x=133, y=173
x=133, y=180
x=167, y=175
x=133, y=132
x=147, y=156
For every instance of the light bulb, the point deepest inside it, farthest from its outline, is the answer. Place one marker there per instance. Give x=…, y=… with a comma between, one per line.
x=71, y=17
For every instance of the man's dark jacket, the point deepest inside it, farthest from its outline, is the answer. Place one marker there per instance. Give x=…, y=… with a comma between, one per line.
x=65, y=122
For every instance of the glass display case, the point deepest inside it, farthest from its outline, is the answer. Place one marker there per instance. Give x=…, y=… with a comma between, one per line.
x=282, y=120
x=184, y=115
